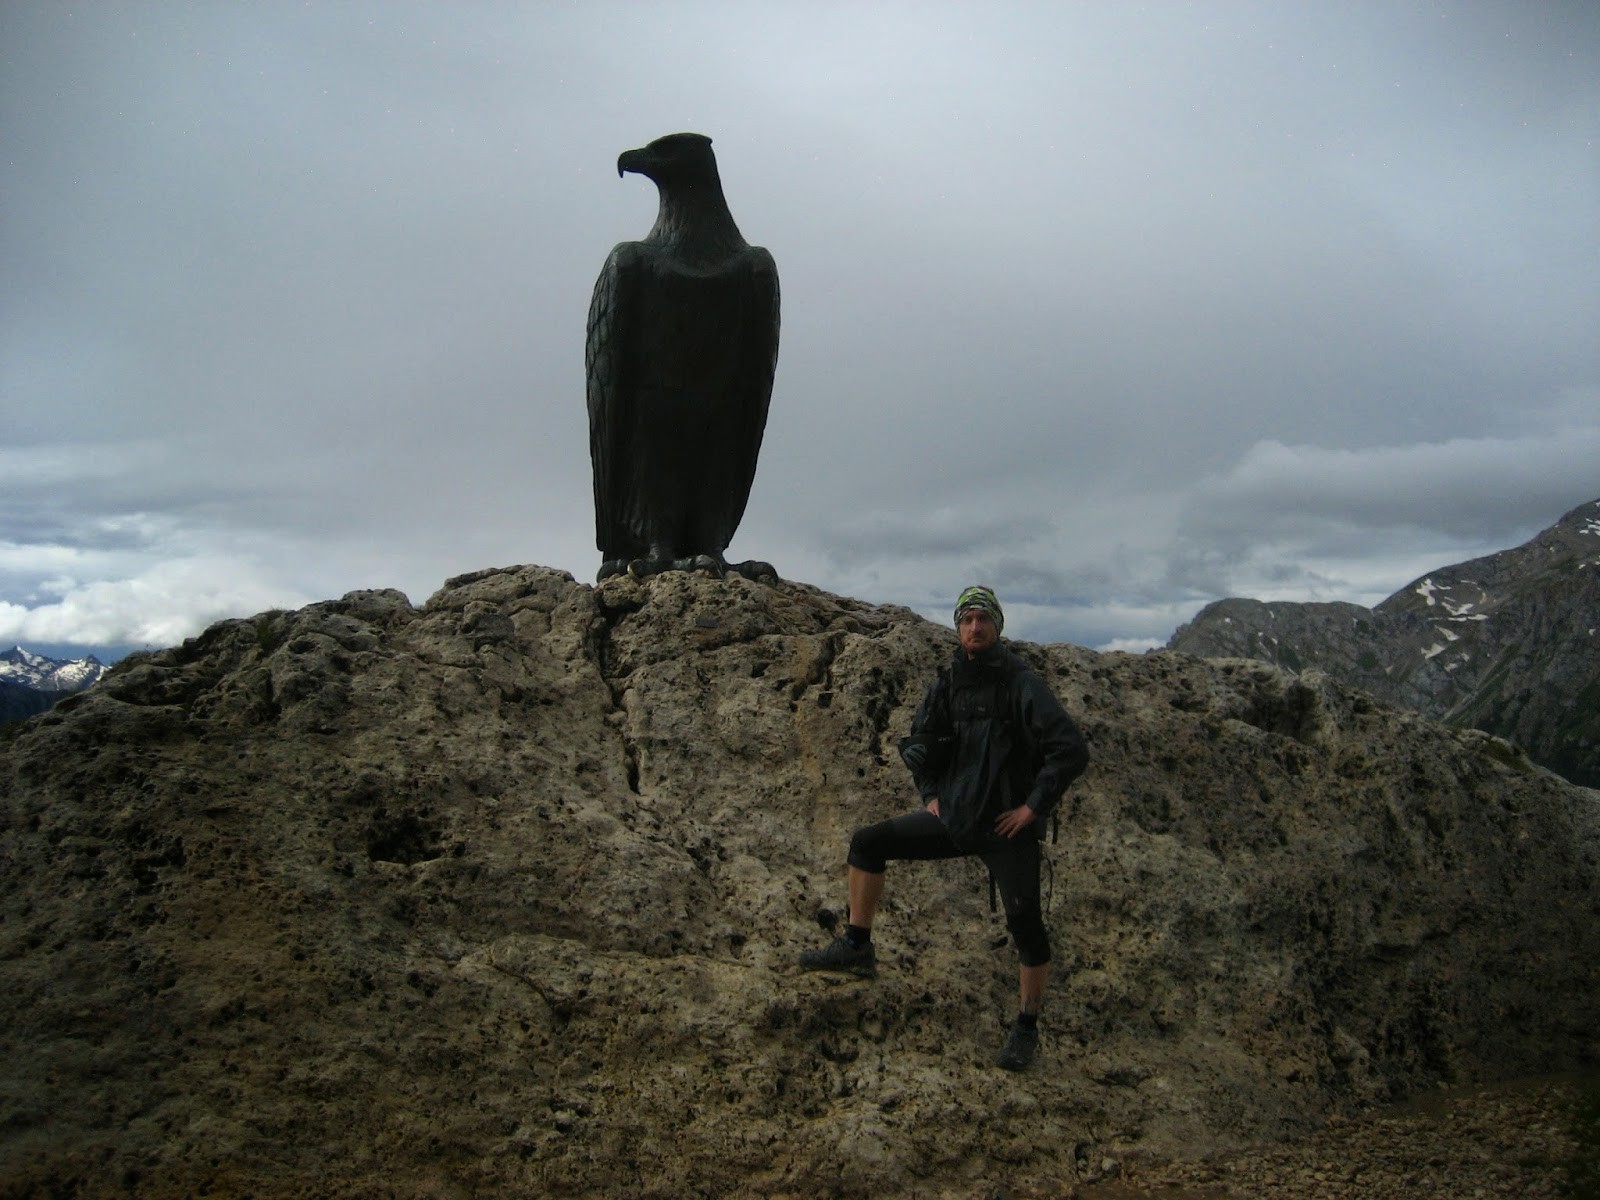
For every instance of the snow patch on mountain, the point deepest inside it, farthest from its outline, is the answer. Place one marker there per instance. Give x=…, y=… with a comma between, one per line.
x=45, y=674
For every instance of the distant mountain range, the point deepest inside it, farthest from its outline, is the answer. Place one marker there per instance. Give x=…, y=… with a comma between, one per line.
x=1509, y=644
x=31, y=683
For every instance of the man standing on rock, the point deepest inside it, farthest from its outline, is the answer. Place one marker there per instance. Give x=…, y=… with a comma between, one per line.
x=991, y=751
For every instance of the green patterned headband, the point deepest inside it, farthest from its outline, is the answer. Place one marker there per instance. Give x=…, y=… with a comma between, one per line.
x=984, y=599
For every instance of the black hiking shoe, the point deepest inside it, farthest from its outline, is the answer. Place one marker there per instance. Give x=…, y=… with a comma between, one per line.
x=1022, y=1043
x=840, y=955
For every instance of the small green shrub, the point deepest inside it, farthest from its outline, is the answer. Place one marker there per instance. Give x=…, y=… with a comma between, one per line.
x=271, y=629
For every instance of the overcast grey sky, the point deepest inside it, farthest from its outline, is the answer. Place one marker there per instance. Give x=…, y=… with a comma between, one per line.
x=1117, y=307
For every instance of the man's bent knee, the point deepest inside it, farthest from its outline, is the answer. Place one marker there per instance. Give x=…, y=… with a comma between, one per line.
x=866, y=852
x=1033, y=943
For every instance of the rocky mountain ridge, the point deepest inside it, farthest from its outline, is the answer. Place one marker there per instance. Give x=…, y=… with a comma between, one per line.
x=48, y=674
x=30, y=683
x=501, y=895
x=1508, y=643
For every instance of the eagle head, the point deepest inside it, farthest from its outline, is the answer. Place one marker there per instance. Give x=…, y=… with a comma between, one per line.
x=676, y=158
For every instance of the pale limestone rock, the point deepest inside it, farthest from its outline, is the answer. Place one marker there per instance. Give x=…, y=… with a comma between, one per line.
x=501, y=895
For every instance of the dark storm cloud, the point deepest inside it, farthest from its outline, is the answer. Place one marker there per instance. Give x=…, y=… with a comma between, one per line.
x=1119, y=309
x=1430, y=486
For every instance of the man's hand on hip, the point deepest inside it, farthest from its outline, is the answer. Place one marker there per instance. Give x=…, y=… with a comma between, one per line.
x=1014, y=820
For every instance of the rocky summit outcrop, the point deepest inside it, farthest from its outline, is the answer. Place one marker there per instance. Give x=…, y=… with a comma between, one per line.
x=501, y=896
x=1509, y=643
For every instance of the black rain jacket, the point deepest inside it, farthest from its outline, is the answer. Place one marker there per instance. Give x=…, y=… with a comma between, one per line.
x=997, y=737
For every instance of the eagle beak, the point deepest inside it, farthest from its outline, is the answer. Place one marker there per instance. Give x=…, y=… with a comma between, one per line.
x=632, y=160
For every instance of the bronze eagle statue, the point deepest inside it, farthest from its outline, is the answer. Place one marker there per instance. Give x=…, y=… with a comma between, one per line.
x=681, y=350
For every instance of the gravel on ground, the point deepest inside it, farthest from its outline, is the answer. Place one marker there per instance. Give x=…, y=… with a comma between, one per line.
x=1518, y=1139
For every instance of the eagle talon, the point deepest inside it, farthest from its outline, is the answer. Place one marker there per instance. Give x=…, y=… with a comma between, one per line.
x=657, y=562
x=703, y=562
x=662, y=562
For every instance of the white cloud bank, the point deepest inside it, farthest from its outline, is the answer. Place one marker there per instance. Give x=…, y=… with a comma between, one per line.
x=159, y=606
